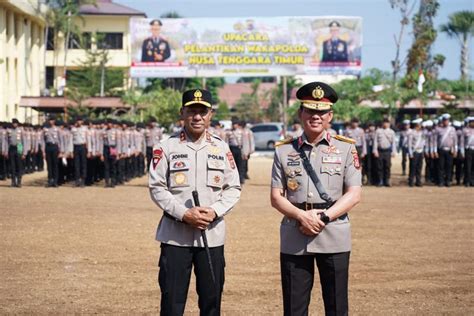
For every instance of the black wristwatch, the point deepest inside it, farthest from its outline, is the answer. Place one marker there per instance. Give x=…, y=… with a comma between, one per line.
x=324, y=218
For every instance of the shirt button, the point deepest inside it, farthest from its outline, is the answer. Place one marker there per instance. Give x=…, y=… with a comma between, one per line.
x=310, y=194
x=313, y=154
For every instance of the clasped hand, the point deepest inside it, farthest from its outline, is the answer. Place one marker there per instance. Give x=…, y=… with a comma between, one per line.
x=310, y=223
x=199, y=217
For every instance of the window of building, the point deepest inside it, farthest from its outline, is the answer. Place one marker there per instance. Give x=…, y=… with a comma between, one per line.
x=110, y=40
x=50, y=41
x=82, y=41
x=49, y=77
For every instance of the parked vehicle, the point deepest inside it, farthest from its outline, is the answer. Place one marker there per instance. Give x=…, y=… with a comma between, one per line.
x=267, y=134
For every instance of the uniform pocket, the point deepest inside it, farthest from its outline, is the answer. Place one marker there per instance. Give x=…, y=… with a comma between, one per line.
x=179, y=174
x=215, y=173
x=332, y=176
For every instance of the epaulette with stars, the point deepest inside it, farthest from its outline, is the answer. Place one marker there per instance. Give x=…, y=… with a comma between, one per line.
x=288, y=140
x=344, y=139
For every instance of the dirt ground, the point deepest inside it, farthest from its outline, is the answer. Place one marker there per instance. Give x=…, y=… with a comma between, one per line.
x=92, y=250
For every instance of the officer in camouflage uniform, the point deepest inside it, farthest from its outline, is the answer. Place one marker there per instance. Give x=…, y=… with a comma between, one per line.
x=314, y=229
x=192, y=159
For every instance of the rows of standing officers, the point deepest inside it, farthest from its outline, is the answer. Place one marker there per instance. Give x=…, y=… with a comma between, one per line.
x=84, y=152
x=442, y=147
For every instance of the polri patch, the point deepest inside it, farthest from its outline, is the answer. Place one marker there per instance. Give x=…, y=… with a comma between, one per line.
x=230, y=157
x=355, y=156
x=157, y=155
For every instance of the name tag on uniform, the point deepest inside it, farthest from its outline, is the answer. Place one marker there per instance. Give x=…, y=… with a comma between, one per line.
x=332, y=159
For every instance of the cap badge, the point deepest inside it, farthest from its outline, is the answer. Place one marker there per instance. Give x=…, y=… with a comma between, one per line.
x=318, y=93
x=197, y=95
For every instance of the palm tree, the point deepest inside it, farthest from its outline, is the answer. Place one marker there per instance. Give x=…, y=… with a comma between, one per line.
x=461, y=26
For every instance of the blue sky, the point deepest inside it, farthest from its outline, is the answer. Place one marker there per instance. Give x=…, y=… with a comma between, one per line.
x=380, y=22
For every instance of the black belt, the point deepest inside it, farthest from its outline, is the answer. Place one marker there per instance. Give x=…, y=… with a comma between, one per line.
x=384, y=149
x=310, y=206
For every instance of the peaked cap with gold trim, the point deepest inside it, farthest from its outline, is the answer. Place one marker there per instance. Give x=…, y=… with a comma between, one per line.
x=317, y=96
x=197, y=96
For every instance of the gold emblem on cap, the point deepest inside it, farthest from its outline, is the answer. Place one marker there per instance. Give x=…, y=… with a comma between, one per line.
x=197, y=94
x=318, y=93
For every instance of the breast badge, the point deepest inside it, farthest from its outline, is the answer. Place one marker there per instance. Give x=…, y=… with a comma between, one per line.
x=292, y=184
x=180, y=178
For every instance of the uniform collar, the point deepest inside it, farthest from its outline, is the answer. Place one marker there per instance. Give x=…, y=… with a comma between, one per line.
x=326, y=138
x=205, y=139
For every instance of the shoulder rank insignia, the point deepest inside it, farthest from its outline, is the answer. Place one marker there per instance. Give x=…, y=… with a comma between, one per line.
x=285, y=141
x=344, y=139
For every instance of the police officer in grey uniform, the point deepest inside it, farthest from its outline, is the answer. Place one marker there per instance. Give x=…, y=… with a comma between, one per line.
x=416, y=147
x=356, y=133
x=16, y=152
x=384, y=149
x=153, y=136
x=468, y=152
x=446, y=147
x=316, y=226
x=403, y=144
x=79, y=140
x=52, y=151
x=192, y=159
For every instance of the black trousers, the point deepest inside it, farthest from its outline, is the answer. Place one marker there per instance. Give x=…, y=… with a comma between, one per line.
x=404, y=159
x=469, y=167
x=39, y=159
x=428, y=168
x=297, y=276
x=80, y=162
x=52, y=161
x=176, y=264
x=416, y=164
x=458, y=167
x=141, y=164
x=110, y=166
x=445, y=167
x=237, y=153
x=3, y=167
x=384, y=164
x=16, y=163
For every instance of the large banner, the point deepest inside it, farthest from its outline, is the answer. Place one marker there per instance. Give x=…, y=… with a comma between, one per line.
x=244, y=47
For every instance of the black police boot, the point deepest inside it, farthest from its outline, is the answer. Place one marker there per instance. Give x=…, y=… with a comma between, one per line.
x=18, y=182
x=13, y=184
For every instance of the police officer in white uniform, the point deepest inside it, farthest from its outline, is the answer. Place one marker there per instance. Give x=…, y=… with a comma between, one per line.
x=315, y=227
x=192, y=160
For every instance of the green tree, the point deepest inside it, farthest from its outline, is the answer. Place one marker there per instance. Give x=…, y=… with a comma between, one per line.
x=163, y=104
x=92, y=78
x=248, y=106
x=461, y=26
x=424, y=36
